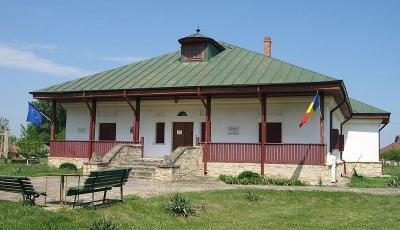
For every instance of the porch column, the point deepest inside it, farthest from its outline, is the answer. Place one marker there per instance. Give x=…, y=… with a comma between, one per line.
x=322, y=118
x=263, y=101
x=92, y=127
x=53, y=129
x=207, y=136
x=137, y=121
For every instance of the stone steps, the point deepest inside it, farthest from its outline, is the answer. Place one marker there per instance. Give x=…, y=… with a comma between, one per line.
x=145, y=168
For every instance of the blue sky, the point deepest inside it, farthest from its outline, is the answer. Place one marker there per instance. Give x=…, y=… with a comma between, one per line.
x=48, y=42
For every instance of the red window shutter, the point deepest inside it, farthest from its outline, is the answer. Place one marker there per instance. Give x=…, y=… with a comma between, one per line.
x=160, y=130
x=341, y=142
x=203, y=131
x=274, y=132
x=334, y=139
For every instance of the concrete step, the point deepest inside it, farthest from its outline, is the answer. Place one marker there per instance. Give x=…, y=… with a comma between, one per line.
x=149, y=160
x=143, y=168
x=141, y=173
x=145, y=164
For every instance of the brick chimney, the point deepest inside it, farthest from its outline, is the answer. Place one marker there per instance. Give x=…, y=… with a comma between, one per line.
x=267, y=46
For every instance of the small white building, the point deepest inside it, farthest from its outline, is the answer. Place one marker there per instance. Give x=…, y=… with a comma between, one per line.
x=242, y=107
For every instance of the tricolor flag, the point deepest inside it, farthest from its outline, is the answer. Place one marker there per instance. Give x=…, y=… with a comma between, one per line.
x=311, y=108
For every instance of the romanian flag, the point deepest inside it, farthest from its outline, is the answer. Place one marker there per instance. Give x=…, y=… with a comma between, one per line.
x=311, y=108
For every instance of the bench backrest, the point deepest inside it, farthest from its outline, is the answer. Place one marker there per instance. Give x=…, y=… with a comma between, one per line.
x=107, y=178
x=16, y=184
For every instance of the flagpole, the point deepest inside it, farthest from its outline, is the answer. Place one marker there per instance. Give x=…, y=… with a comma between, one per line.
x=44, y=115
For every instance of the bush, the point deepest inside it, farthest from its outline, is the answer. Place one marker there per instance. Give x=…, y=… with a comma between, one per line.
x=248, y=175
x=251, y=196
x=392, y=155
x=103, y=224
x=68, y=167
x=179, y=206
x=393, y=182
x=245, y=180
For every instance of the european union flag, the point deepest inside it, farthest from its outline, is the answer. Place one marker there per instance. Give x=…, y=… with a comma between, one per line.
x=34, y=115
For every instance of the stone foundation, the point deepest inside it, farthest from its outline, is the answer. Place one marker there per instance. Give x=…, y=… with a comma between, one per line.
x=368, y=169
x=313, y=174
x=57, y=161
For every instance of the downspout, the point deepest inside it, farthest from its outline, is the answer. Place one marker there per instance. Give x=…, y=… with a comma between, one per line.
x=379, y=135
x=333, y=167
x=341, y=151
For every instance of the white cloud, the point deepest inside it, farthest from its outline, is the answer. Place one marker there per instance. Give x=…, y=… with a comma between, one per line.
x=125, y=59
x=27, y=60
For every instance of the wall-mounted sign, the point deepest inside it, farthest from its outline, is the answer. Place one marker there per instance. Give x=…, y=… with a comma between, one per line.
x=233, y=130
x=179, y=132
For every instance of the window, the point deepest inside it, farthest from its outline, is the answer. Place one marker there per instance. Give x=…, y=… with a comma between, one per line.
x=182, y=114
x=160, y=131
x=274, y=132
x=107, y=131
x=193, y=51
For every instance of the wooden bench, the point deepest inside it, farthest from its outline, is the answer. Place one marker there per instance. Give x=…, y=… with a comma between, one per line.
x=101, y=181
x=20, y=184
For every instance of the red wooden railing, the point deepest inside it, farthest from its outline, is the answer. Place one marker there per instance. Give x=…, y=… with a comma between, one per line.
x=308, y=154
x=79, y=149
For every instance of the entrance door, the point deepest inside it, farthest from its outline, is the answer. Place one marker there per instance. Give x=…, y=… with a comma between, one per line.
x=182, y=134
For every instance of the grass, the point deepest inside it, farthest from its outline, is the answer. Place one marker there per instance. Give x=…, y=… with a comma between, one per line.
x=227, y=209
x=19, y=168
x=374, y=182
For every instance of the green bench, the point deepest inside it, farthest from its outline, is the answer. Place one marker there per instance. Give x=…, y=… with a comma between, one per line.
x=101, y=181
x=20, y=184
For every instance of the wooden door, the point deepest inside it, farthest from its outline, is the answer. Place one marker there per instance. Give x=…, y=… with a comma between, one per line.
x=107, y=131
x=182, y=134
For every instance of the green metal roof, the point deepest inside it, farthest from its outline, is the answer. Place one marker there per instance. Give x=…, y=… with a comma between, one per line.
x=233, y=66
x=361, y=107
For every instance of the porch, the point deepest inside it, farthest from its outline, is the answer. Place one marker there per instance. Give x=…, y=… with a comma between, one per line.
x=276, y=153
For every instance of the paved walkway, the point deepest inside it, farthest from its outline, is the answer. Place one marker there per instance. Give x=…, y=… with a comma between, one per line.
x=148, y=188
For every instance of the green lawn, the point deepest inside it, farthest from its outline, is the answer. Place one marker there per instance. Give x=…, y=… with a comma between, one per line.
x=375, y=182
x=224, y=210
x=21, y=169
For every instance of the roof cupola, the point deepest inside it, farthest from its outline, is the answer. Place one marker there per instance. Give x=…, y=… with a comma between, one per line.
x=198, y=47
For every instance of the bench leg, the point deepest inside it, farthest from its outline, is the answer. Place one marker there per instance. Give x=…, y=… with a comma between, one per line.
x=122, y=194
x=93, y=200
x=104, y=197
x=74, y=202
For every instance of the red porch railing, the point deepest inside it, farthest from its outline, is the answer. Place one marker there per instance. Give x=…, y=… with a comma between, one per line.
x=308, y=154
x=79, y=149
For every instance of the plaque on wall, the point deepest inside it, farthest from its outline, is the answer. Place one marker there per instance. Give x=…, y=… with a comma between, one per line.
x=233, y=130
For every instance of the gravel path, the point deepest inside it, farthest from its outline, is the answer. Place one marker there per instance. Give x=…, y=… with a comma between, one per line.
x=148, y=188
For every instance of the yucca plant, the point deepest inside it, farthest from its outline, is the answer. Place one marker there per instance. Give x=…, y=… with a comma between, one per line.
x=103, y=224
x=251, y=196
x=179, y=206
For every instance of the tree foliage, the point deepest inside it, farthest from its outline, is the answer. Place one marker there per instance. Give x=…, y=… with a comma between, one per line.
x=4, y=123
x=61, y=115
x=392, y=155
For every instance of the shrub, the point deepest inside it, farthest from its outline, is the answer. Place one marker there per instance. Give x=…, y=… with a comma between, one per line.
x=179, y=206
x=251, y=196
x=68, y=167
x=245, y=180
x=393, y=182
x=248, y=175
x=103, y=224
x=392, y=155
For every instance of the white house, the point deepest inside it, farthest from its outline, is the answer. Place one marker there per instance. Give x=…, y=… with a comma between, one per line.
x=243, y=108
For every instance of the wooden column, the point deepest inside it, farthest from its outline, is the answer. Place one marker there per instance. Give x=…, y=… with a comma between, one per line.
x=53, y=128
x=263, y=101
x=137, y=121
x=92, y=127
x=322, y=118
x=207, y=136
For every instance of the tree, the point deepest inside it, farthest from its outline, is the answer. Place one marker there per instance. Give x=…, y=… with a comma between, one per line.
x=61, y=115
x=4, y=123
x=392, y=155
x=31, y=141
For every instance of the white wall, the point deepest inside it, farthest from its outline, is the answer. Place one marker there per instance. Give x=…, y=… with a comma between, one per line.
x=361, y=140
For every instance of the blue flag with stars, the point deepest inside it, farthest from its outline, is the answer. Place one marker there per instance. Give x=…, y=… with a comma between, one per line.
x=34, y=115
